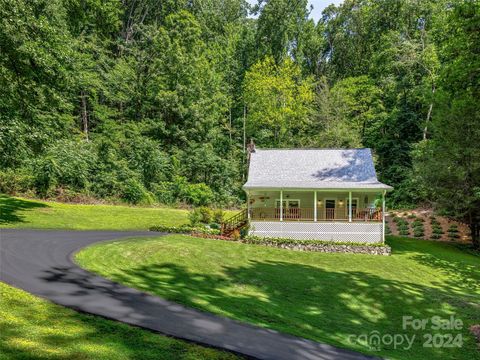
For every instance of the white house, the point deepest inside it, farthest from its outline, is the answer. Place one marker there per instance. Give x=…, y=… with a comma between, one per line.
x=321, y=194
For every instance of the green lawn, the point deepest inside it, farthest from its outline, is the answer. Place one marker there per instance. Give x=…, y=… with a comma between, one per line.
x=32, y=328
x=325, y=297
x=23, y=213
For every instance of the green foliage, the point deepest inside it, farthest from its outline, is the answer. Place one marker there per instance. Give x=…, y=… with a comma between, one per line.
x=202, y=214
x=283, y=241
x=146, y=103
x=197, y=194
x=279, y=102
x=437, y=230
x=185, y=229
x=218, y=216
x=388, y=231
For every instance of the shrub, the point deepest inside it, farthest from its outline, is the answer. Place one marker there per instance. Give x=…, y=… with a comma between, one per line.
x=200, y=215
x=418, y=234
x=198, y=194
x=244, y=231
x=435, y=236
x=388, y=231
x=437, y=230
x=236, y=234
x=134, y=192
x=215, y=226
x=164, y=192
x=185, y=229
x=65, y=163
x=453, y=229
x=404, y=232
x=403, y=227
x=13, y=182
x=279, y=241
x=194, y=217
x=417, y=222
x=218, y=216
x=412, y=216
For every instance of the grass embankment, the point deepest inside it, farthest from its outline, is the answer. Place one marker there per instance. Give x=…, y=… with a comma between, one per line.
x=324, y=297
x=32, y=328
x=35, y=214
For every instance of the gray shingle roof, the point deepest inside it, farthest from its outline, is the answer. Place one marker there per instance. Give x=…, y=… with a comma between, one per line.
x=313, y=169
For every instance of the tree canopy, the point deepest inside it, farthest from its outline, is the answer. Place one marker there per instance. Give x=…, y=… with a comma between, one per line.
x=153, y=101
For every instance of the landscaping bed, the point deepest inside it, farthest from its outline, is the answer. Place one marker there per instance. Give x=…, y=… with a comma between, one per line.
x=424, y=224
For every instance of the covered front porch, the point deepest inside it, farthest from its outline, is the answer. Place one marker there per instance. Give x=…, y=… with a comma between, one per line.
x=334, y=215
x=316, y=205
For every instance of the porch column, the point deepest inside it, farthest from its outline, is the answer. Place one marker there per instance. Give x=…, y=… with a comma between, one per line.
x=383, y=215
x=315, y=206
x=281, y=205
x=350, y=206
x=248, y=205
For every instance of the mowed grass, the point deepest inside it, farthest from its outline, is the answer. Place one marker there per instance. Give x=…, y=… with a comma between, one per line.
x=33, y=328
x=324, y=297
x=24, y=213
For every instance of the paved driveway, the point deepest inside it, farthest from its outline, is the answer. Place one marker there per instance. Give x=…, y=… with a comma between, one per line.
x=40, y=263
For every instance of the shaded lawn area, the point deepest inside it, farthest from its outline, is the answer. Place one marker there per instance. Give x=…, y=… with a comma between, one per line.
x=23, y=213
x=33, y=328
x=324, y=297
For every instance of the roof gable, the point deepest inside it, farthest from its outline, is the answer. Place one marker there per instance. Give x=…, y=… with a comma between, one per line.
x=313, y=168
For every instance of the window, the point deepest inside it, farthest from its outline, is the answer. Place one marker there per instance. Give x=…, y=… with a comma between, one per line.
x=291, y=204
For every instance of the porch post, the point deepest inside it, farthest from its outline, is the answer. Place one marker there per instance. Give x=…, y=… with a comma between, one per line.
x=315, y=205
x=248, y=205
x=350, y=206
x=281, y=205
x=383, y=215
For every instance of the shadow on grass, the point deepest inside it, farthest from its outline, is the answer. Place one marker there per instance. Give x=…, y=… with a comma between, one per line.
x=38, y=330
x=462, y=266
x=9, y=208
x=308, y=302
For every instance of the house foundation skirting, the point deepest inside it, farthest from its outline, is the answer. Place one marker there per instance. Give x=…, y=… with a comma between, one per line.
x=332, y=231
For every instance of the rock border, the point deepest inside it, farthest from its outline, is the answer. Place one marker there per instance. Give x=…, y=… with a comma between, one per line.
x=384, y=250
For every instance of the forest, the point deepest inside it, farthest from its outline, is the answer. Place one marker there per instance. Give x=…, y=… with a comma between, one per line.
x=153, y=101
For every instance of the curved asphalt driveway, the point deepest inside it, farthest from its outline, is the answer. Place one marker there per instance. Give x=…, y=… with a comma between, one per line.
x=40, y=262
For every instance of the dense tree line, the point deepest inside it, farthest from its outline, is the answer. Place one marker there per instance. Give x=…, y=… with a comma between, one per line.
x=153, y=101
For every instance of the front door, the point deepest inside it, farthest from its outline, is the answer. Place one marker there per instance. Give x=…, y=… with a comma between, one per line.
x=330, y=205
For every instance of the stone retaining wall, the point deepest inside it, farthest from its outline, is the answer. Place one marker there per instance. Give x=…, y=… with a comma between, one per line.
x=325, y=248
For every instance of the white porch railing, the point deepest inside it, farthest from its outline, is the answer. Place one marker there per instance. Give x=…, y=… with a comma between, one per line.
x=308, y=214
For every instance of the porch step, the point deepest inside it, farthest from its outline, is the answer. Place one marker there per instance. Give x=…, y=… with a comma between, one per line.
x=234, y=223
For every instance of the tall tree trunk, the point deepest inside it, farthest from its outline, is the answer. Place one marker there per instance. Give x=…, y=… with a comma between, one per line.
x=429, y=115
x=84, y=114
